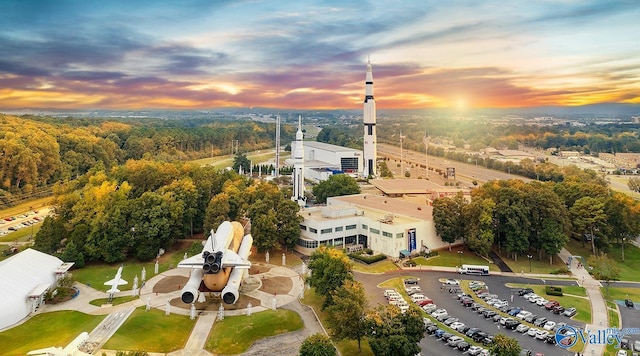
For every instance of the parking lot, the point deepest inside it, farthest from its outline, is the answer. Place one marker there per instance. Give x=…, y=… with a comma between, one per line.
x=431, y=287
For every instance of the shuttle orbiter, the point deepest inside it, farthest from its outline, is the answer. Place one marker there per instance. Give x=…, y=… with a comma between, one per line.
x=221, y=266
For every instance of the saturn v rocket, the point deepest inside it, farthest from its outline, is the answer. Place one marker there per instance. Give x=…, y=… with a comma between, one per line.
x=369, y=119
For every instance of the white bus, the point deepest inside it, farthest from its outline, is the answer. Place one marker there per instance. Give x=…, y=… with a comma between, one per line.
x=474, y=269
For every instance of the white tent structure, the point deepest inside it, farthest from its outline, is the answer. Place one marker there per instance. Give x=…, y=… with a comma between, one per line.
x=25, y=277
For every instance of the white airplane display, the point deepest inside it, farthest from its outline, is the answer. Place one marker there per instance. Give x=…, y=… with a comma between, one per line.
x=221, y=266
x=70, y=350
x=115, y=282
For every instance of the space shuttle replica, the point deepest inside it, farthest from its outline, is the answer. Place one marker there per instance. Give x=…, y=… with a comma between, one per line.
x=222, y=265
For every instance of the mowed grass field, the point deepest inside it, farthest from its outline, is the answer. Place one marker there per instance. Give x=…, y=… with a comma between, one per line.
x=446, y=258
x=46, y=330
x=151, y=331
x=628, y=267
x=235, y=334
x=581, y=303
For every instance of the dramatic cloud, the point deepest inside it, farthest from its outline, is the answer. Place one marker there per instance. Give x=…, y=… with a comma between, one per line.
x=203, y=54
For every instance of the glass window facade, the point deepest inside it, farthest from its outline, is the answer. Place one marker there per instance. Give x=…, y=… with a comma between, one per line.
x=307, y=244
x=339, y=228
x=351, y=227
x=387, y=234
x=315, y=231
x=375, y=231
x=326, y=231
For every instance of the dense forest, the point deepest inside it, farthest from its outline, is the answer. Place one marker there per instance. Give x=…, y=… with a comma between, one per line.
x=36, y=152
x=537, y=218
x=134, y=210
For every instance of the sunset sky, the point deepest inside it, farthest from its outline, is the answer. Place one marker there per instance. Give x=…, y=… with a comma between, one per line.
x=191, y=54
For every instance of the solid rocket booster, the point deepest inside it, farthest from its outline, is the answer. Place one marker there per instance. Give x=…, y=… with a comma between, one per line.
x=232, y=289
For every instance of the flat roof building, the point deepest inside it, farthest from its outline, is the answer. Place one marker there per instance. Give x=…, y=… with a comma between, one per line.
x=386, y=225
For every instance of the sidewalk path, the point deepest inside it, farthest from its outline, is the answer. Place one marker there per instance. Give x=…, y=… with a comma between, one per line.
x=599, y=313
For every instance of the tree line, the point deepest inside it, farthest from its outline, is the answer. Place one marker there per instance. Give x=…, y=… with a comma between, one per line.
x=38, y=152
x=134, y=210
x=520, y=217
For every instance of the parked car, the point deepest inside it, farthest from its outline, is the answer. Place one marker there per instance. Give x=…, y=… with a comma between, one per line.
x=551, y=304
x=431, y=329
x=418, y=297
x=411, y=281
x=425, y=301
x=541, y=302
x=455, y=325
x=511, y=324
x=542, y=334
x=429, y=308
x=438, y=333
x=472, y=331
x=570, y=312
x=454, y=340
x=452, y=282
x=463, y=346
x=532, y=332
x=478, y=337
x=551, y=339
x=549, y=325
x=524, y=291
x=558, y=309
x=522, y=328
x=540, y=321
x=450, y=321
x=514, y=311
x=474, y=350
x=523, y=314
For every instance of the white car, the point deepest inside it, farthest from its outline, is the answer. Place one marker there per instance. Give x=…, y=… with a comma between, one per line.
x=429, y=308
x=541, y=334
x=474, y=350
x=500, y=304
x=532, y=332
x=542, y=301
x=523, y=314
x=452, y=282
x=456, y=325
x=417, y=297
x=620, y=353
x=549, y=325
x=454, y=340
x=439, y=313
x=522, y=328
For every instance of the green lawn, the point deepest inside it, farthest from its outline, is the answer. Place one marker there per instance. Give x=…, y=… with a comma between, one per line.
x=582, y=305
x=21, y=235
x=152, y=331
x=235, y=334
x=46, y=330
x=615, y=293
x=533, y=265
x=96, y=275
x=346, y=347
x=115, y=301
x=628, y=268
x=452, y=258
x=378, y=267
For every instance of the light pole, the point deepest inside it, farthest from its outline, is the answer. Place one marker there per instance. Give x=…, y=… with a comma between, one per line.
x=426, y=153
x=460, y=257
x=530, y=257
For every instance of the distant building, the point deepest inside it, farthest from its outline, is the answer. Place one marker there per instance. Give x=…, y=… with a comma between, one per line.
x=321, y=160
x=25, y=278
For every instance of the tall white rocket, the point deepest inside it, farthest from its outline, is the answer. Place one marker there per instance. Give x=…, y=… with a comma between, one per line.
x=369, y=119
x=298, y=167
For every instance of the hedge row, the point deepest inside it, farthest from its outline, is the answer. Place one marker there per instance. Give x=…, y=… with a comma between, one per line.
x=367, y=259
x=551, y=290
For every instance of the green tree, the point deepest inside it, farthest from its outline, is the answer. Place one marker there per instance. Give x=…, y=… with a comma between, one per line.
x=479, y=216
x=604, y=268
x=504, y=346
x=241, y=160
x=449, y=219
x=288, y=222
x=587, y=215
x=347, y=315
x=623, y=222
x=392, y=334
x=336, y=185
x=330, y=269
x=552, y=238
x=317, y=345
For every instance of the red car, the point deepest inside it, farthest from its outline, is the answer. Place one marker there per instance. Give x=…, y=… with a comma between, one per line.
x=551, y=304
x=424, y=302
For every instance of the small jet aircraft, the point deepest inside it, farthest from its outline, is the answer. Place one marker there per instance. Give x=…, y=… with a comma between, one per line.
x=115, y=282
x=221, y=266
x=70, y=350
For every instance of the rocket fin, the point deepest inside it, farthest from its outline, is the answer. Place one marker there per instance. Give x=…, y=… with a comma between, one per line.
x=232, y=259
x=192, y=262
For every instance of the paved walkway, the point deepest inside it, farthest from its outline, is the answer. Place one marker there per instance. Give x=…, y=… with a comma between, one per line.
x=599, y=314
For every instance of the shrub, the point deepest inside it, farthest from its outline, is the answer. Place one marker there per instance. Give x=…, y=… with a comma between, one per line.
x=367, y=259
x=551, y=290
x=409, y=263
x=561, y=270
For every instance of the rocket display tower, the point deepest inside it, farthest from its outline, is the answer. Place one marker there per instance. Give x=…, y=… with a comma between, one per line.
x=369, y=119
x=298, y=167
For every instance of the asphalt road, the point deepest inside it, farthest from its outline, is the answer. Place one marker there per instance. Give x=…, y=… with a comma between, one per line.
x=469, y=171
x=430, y=284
